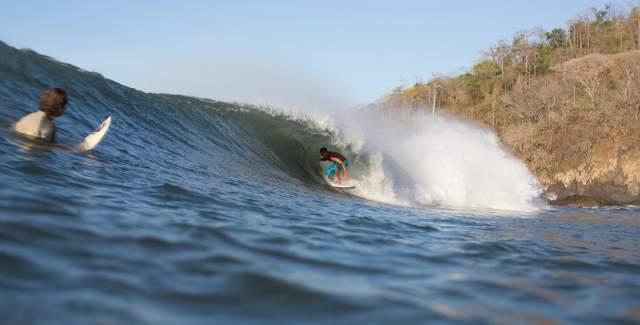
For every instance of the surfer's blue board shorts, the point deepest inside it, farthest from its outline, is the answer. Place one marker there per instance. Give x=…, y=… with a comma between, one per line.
x=331, y=171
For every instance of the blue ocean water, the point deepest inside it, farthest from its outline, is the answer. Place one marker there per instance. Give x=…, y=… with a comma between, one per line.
x=196, y=211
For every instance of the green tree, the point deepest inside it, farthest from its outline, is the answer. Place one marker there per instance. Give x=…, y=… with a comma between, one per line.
x=485, y=69
x=556, y=38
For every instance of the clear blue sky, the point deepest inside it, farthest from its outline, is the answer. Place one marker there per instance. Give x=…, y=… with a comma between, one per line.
x=279, y=52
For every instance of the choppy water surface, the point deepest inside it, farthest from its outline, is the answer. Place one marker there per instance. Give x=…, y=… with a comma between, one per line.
x=194, y=211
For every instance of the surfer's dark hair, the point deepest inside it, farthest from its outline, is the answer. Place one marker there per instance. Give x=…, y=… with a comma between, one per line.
x=323, y=149
x=53, y=101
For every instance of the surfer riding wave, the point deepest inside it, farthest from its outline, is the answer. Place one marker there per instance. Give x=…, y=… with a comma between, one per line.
x=337, y=170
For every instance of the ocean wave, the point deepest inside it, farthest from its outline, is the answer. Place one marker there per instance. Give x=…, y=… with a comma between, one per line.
x=418, y=162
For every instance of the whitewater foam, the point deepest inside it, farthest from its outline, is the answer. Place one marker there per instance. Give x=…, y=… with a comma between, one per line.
x=448, y=162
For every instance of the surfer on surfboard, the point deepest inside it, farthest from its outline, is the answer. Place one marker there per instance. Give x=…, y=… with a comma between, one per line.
x=339, y=164
x=39, y=125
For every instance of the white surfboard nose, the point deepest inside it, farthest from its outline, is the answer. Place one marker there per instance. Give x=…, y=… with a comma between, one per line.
x=94, y=138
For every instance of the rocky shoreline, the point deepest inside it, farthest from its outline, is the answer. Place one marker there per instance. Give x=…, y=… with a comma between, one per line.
x=612, y=181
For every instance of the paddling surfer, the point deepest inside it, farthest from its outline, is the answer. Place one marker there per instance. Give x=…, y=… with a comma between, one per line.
x=40, y=124
x=339, y=164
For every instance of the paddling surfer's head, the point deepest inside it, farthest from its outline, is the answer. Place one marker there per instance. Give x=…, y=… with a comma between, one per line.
x=53, y=101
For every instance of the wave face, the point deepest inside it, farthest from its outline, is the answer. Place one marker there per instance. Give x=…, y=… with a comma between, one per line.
x=193, y=210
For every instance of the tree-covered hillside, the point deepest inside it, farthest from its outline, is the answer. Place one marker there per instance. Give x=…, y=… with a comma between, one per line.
x=567, y=101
